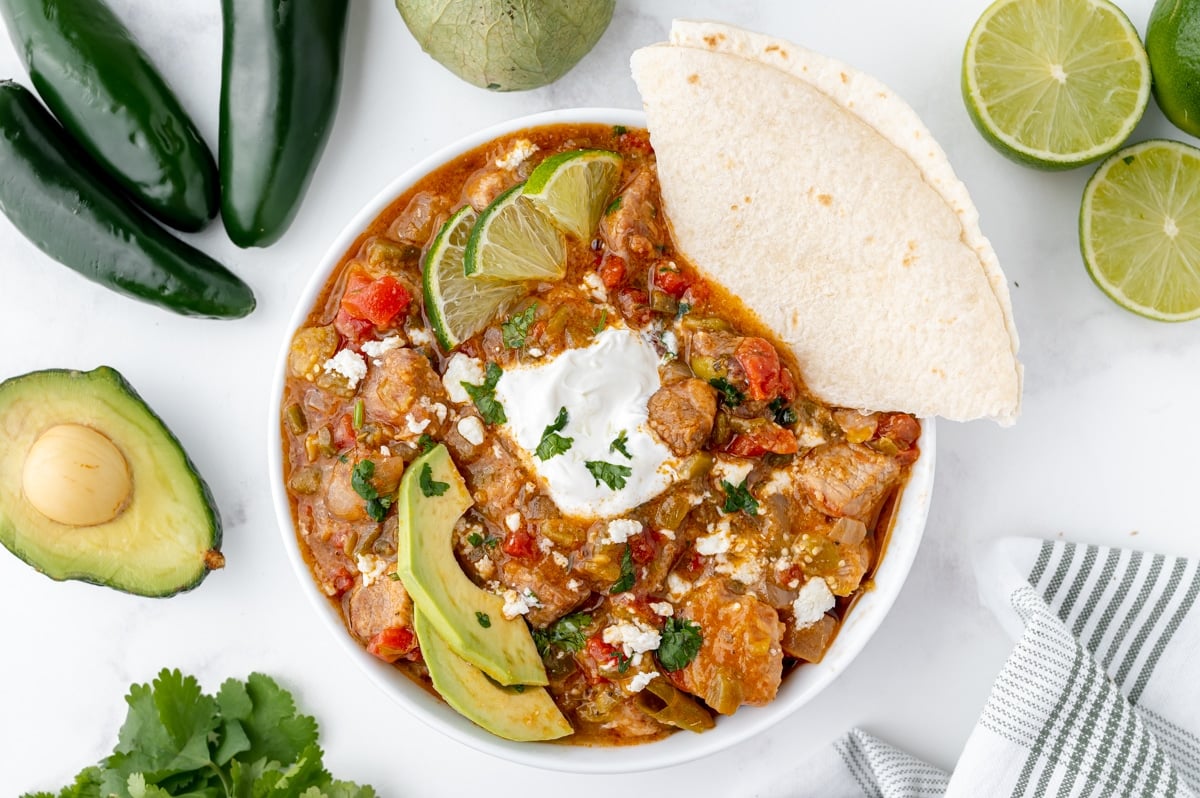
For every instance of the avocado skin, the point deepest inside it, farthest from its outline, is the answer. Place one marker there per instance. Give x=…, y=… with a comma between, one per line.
x=107, y=384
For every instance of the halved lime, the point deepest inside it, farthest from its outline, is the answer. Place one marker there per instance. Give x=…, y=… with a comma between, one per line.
x=573, y=188
x=459, y=306
x=1055, y=83
x=1139, y=229
x=513, y=240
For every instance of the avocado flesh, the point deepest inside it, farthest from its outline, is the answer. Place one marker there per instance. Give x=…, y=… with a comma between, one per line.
x=451, y=602
x=167, y=537
x=521, y=716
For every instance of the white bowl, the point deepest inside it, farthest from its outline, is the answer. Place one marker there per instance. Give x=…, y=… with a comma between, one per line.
x=798, y=687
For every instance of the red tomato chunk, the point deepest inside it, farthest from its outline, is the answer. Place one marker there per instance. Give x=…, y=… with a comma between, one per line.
x=377, y=301
x=397, y=642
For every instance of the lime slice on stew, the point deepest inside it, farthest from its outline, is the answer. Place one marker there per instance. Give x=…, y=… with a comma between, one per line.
x=459, y=306
x=573, y=188
x=1055, y=84
x=1139, y=229
x=513, y=240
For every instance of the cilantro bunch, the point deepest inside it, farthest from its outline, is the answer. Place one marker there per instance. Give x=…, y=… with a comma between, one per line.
x=246, y=741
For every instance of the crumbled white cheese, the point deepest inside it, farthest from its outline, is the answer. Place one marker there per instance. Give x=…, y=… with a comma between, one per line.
x=678, y=586
x=594, y=286
x=385, y=451
x=621, y=529
x=471, y=429
x=731, y=470
x=560, y=559
x=573, y=584
x=662, y=608
x=670, y=342
x=512, y=521
x=669, y=534
x=638, y=683
x=780, y=481
x=462, y=369
x=420, y=337
x=520, y=150
x=534, y=351
x=519, y=603
x=377, y=349
x=813, y=601
x=414, y=426
x=350, y=365
x=371, y=568
x=717, y=542
x=438, y=409
x=545, y=544
x=747, y=570
x=485, y=567
x=633, y=638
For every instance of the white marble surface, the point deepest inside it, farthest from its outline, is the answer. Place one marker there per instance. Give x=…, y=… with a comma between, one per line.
x=1104, y=451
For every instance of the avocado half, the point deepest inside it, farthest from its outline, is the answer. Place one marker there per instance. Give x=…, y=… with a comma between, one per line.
x=94, y=487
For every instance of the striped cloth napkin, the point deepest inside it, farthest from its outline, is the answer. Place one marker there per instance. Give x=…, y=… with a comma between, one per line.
x=1101, y=696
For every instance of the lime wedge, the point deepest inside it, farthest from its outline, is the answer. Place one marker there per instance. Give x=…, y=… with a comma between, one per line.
x=459, y=306
x=1139, y=229
x=513, y=240
x=573, y=188
x=1055, y=84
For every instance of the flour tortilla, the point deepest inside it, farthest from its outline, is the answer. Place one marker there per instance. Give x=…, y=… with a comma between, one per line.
x=817, y=196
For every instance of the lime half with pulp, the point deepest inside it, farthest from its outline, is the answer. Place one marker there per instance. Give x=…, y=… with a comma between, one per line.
x=1139, y=229
x=513, y=240
x=573, y=188
x=459, y=306
x=1055, y=84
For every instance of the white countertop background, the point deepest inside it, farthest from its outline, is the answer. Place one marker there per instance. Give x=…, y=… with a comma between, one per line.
x=1105, y=451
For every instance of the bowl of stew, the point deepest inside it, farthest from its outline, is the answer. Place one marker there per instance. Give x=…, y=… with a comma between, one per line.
x=707, y=545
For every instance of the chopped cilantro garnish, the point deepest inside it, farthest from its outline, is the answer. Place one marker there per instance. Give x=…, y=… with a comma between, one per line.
x=425, y=442
x=729, y=392
x=623, y=662
x=517, y=327
x=484, y=620
x=619, y=445
x=599, y=328
x=683, y=309
x=475, y=539
x=609, y=473
x=490, y=542
x=360, y=480
x=484, y=396
x=518, y=688
x=681, y=641
x=395, y=577
x=565, y=634
x=552, y=443
x=785, y=414
x=738, y=497
x=613, y=206
x=620, y=130
x=429, y=486
x=627, y=573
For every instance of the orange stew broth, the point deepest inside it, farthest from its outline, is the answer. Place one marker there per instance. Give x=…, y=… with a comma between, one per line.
x=844, y=470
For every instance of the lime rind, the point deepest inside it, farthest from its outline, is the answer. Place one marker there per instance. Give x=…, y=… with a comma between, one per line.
x=459, y=306
x=1139, y=229
x=513, y=240
x=1016, y=64
x=573, y=188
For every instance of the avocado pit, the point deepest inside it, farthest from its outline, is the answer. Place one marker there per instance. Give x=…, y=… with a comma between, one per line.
x=76, y=475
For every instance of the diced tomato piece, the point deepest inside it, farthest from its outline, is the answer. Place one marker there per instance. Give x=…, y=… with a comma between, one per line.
x=377, y=301
x=344, y=436
x=787, y=385
x=902, y=428
x=343, y=580
x=637, y=140
x=634, y=307
x=393, y=643
x=693, y=566
x=520, y=544
x=770, y=438
x=641, y=548
x=697, y=294
x=612, y=271
x=760, y=362
x=669, y=279
x=908, y=456
x=355, y=331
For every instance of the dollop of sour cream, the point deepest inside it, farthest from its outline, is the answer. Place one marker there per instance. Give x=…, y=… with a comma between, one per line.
x=605, y=388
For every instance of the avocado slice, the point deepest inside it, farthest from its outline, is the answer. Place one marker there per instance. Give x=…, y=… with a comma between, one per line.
x=529, y=714
x=431, y=499
x=94, y=487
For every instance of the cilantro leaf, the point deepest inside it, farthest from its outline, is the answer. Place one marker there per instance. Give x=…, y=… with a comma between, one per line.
x=619, y=445
x=785, y=414
x=613, y=206
x=609, y=473
x=627, y=573
x=623, y=662
x=484, y=620
x=738, y=497
x=429, y=486
x=599, y=328
x=566, y=634
x=552, y=443
x=680, y=643
x=729, y=392
x=475, y=539
x=484, y=396
x=360, y=480
x=425, y=443
x=517, y=327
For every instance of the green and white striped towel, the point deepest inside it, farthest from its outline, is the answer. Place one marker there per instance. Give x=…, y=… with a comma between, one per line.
x=1101, y=696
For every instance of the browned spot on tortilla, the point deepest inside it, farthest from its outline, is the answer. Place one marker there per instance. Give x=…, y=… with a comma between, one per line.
x=772, y=48
x=938, y=373
x=712, y=39
x=733, y=207
x=747, y=200
x=844, y=78
x=911, y=257
x=882, y=95
x=825, y=199
x=693, y=78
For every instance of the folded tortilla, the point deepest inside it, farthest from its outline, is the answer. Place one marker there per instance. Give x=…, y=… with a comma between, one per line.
x=816, y=195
